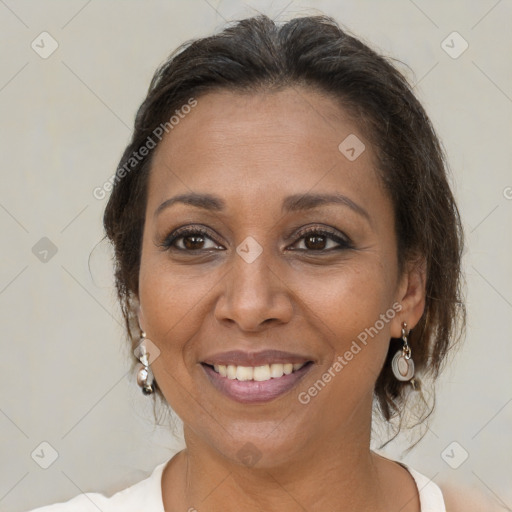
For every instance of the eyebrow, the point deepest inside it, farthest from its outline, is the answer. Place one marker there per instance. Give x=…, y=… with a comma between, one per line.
x=204, y=201
x=293, y=203
x=300, y=202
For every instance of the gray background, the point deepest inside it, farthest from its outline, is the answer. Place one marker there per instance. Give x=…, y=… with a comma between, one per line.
x=64, y=123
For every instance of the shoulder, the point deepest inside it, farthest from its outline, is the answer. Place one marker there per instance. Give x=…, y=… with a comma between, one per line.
x=460, y=497
x=146, y=494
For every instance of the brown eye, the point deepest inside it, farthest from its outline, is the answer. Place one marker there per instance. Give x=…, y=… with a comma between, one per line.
x=190, y=240
x=315, y=242
x=318, y=240
x=193, y=241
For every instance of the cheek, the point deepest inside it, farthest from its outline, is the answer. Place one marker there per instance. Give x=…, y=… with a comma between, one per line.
x=169, y=293
x=353, y=313
x=354, y=309
x=172, y=305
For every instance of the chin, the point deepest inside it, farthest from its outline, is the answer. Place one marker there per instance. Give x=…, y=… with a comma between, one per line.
x=263, y=445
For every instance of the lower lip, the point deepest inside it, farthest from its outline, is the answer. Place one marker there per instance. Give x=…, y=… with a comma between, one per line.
x=250, y=391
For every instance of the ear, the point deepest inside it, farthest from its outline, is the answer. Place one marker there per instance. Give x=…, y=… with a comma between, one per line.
x=410, y=295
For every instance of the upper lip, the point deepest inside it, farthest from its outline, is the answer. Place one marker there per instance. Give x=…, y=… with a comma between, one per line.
x=263, y=357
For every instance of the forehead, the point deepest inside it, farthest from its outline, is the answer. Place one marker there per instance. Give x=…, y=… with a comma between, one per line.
x=245, y=142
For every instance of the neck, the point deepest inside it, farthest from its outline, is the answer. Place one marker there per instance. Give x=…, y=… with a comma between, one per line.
x=207, y=486
x=331, y=472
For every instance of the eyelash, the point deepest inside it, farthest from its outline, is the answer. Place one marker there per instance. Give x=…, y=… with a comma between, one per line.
x=343, y=243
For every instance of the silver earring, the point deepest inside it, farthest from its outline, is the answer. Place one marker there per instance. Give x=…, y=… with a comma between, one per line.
x=145, y=377
x=402, y=363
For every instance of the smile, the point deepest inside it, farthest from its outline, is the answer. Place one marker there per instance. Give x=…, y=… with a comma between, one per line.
x=256, y=384
x=257, y=373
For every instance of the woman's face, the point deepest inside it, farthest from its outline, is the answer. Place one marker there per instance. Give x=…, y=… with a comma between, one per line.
x=273, y=270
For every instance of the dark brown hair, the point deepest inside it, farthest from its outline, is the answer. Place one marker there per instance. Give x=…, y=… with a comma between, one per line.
x=256, y=55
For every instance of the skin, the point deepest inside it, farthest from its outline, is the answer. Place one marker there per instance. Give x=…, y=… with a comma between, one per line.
x=253, y=150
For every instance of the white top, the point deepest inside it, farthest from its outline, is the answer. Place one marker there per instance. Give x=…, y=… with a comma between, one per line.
x=146, y=495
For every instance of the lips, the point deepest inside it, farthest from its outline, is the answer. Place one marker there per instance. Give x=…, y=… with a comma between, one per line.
x=257, y=376
x=240, y=358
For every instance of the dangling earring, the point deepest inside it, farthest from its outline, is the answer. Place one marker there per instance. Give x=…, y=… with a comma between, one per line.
x=145, y=377
x=402, y=363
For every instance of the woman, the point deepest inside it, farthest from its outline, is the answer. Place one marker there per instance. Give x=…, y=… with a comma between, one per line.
x=287, y=256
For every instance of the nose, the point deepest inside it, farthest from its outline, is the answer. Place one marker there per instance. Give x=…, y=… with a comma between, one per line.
x=254, y=296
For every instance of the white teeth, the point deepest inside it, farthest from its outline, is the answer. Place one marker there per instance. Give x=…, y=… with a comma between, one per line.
x=244, y=372
x=261, y=373
x=231, y=371
x=257, y=373
x=276, y=371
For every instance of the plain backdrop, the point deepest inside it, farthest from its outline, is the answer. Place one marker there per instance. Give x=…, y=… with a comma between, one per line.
x=64, y=121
